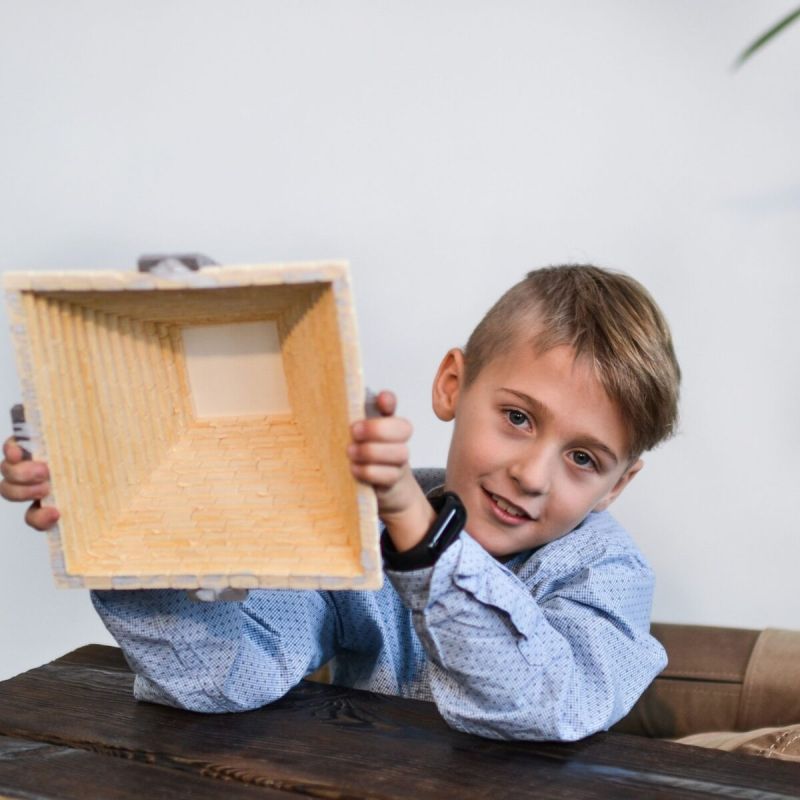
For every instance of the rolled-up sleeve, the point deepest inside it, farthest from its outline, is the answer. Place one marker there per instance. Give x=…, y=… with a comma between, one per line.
x=560, y=655
x=221, y=656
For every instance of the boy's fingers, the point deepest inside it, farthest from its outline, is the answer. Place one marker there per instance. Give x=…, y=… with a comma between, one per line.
x=386, y=402
x=377, y=475
x=383, y=429
x=41, y=518
x=24, y=472
x=20, y=493
x=12, y=451
x=378, y=453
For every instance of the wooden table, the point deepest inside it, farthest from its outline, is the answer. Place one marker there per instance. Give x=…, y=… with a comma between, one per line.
x=71, y=729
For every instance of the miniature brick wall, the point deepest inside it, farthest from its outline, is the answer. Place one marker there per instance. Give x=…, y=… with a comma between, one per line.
x=152, y=496
x=313, y=394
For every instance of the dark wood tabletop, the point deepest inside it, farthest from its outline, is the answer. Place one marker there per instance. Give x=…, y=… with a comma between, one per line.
x=72, y=730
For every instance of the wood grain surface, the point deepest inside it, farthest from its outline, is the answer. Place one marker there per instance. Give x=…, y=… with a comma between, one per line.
x=72, y=728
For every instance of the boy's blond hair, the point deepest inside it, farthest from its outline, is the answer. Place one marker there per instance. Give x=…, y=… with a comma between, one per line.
x=606, y=317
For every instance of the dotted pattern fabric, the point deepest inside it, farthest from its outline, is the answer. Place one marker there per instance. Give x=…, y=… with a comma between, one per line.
x=554, y=644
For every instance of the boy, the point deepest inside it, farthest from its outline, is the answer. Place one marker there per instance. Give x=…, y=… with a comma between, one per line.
x=530, y=621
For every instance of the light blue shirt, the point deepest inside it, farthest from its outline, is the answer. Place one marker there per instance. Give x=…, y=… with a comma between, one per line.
x=554, y=644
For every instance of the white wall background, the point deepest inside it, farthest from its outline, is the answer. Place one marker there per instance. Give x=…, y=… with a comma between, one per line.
x=444, y=148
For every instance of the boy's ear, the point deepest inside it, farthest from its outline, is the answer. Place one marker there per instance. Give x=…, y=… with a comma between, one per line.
x=624, y=480
x=447, y=384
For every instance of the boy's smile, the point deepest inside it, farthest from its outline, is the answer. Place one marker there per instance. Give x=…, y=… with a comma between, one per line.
x=537, y=445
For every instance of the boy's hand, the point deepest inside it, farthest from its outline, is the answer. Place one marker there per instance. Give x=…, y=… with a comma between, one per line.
x=379, y=456
x=24, y=481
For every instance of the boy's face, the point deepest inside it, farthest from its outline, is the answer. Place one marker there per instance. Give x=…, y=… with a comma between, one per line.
x=537, y=445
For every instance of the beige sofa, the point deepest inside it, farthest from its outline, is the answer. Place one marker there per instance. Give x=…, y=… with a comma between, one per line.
x=728, y=688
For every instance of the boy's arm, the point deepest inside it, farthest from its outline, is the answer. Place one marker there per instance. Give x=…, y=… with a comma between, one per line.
x=219, y=657
x=559, y=655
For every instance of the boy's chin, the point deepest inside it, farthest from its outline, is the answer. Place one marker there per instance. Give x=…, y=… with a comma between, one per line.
x=497, y=545
x=503, y=547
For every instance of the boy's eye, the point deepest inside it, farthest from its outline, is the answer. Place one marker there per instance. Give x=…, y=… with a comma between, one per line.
x=583, y=460
x=517, y=418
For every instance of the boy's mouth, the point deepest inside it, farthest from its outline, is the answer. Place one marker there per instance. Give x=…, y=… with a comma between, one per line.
x=507, y=510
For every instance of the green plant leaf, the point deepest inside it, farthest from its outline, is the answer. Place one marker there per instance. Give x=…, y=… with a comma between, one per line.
x=767, y=36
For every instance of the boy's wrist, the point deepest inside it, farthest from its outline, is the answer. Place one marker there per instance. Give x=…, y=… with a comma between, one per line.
x=449, y=518
x=407, y=528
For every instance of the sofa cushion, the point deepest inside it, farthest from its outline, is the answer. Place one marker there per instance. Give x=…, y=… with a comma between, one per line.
x=781, y=742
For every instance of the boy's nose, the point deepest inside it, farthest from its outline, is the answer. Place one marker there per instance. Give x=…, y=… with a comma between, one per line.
x=532, y=472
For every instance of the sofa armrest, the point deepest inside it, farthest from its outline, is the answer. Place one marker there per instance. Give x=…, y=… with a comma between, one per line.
x=719, y=679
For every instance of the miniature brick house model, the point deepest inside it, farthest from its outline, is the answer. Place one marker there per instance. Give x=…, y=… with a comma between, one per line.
x=196, y=426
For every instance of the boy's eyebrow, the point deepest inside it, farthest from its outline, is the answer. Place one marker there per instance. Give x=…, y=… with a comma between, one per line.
x=590, y=441
x=540, y=408
x=543, y=411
